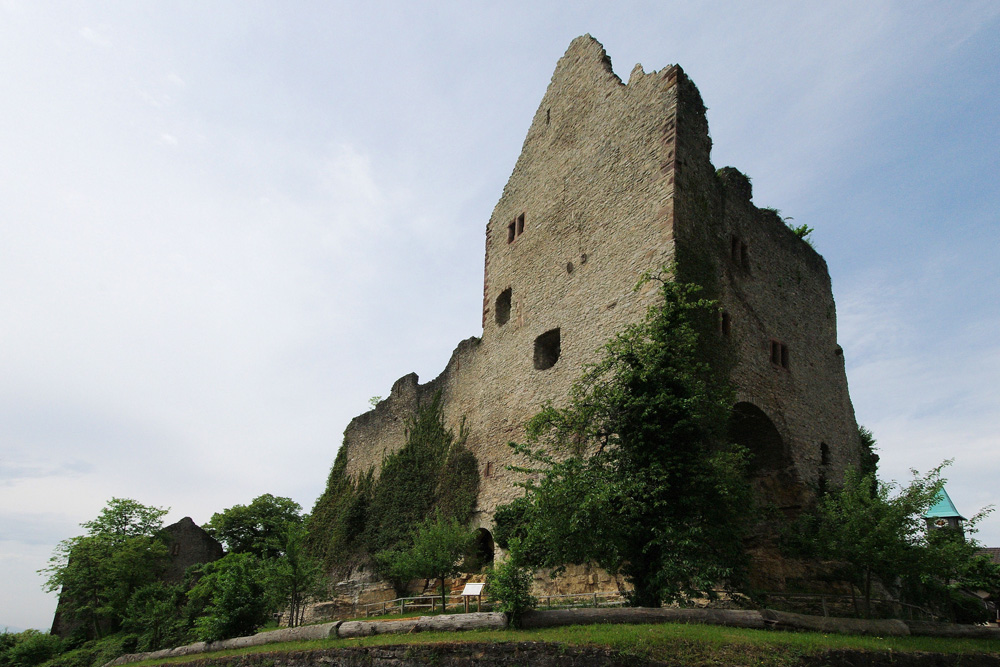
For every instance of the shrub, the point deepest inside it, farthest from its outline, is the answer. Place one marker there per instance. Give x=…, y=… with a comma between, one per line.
x=509, y=586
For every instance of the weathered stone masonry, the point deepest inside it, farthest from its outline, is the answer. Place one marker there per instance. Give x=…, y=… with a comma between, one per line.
x=614, y=180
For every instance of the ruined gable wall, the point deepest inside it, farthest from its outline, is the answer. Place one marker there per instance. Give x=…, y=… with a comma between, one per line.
x=614, y=180
x=594, y=185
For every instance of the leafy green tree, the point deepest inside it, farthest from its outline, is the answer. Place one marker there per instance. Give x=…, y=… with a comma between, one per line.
x=122, y=518
x=297, y=576
x=436, y=551
x=509, y=586
x=154, y=616
x=952, y=568
x=235, y=596
x=257, y=528
x=98, y=573
x=875, y=529
x=28, y=648
x=636, y=473
x=878, y=533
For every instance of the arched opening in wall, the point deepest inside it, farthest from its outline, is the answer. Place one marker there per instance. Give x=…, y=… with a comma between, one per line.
x=772, y=470
x=547, y=348
x=481, y=554
x=502, y=307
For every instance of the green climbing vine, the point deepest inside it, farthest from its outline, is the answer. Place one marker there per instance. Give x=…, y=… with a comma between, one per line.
x=358, y=517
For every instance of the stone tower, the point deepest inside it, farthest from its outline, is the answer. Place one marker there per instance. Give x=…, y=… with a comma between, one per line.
x=615, y=180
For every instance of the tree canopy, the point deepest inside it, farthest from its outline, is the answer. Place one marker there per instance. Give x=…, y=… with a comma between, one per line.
x=436, y=550
x=258, y=528
x=877, y=532
x=98, y=573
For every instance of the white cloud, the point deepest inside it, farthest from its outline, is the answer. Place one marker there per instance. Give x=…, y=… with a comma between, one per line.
x=95, y=37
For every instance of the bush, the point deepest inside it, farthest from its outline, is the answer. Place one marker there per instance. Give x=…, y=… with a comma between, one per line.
x=31, y=647
x=509, y=586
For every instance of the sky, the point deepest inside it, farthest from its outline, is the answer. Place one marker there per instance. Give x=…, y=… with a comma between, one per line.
x=225, y=226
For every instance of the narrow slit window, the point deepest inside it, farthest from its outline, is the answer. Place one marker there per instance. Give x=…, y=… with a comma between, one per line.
x=520, y=224
x=510, y=232
x=725, y=324
x=824, y=454
x=779, y=354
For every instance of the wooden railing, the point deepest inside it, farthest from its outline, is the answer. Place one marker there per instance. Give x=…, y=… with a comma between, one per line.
x=816, y=604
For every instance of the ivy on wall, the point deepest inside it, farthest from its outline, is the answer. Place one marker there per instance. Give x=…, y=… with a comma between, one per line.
x=434, y=470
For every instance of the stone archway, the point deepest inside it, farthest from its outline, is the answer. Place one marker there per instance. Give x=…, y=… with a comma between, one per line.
x=772, y=469
x=482, y=552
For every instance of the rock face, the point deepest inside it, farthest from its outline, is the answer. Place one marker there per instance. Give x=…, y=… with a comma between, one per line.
x=615, y=180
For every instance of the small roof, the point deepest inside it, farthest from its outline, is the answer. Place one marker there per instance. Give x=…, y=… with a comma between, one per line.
x=943, y=508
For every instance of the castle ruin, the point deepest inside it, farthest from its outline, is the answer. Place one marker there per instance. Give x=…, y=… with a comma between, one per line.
x=615, y=180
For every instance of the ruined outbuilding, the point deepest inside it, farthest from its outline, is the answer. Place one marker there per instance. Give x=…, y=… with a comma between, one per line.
x=615, y=179
x=187, y=544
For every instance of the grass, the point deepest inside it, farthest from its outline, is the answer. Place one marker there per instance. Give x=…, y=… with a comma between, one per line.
x=691, y=645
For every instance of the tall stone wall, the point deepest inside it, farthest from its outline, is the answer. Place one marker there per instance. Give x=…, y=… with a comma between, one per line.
x=614, y=180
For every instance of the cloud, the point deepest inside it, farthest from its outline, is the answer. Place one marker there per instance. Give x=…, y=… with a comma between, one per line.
x=95, y=37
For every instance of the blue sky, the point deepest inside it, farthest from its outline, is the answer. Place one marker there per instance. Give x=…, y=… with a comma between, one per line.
x=226, y=226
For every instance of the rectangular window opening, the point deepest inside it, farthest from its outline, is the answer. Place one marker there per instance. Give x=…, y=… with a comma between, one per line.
x=510, y=233
x=779, y=354
x=520, y=224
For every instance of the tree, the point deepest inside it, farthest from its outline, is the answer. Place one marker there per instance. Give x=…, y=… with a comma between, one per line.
x=256, y=528
x=234, y=595
x=877, y=531
x=123, y=518
x=297, y=576
x=98, y=573
x=636, y=473
x=509, y=586
x=28, y=648
x=436, y=552
x=154, y=616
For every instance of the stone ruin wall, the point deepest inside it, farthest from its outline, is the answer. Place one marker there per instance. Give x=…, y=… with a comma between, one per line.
x=614, y=180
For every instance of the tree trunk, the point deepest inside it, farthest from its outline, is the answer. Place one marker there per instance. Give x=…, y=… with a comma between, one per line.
x=444, y=599
x=868, y=593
